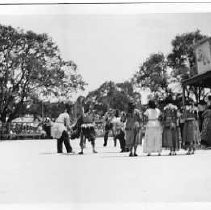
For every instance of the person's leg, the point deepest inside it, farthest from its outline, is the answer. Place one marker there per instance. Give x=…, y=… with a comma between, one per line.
x=81, y=143
x=91, y=137
x=59, y=145
x=93, y=145
x=67, y=141
x=135, y=148
x=106, y=136
x=121, y=138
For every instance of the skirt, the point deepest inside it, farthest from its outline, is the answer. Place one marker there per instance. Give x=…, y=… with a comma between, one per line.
x=153, y=140
x=88, y=131
x=170, y=137
x=133, y=137
x=191, y=132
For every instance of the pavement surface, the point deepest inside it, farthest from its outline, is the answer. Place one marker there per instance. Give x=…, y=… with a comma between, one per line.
x=32, y=172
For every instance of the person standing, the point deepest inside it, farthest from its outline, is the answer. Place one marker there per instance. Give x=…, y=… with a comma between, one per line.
x=170, y=126
x=108, y=126
x=201, y=108
x=133, y=129
x=191, y=135
x=118, y=128
x=87, y=130
x=60, y=131
x=206, y=128
x=153, y=134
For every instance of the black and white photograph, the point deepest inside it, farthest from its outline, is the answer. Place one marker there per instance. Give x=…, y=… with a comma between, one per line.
x=105, y=105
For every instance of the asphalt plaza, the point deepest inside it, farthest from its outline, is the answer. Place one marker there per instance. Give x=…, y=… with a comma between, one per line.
x=32, y=172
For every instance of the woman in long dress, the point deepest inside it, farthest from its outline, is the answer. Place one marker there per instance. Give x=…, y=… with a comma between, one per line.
x=153, y=135
x=206, y=127
x=191, y=134
x=170, y=126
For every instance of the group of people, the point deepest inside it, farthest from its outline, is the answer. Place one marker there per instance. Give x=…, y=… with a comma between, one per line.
x=171, y=128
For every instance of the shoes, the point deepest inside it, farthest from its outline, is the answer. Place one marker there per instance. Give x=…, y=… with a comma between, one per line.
x=123, y=150
x=148, y=154
x=159, y=154
x=94, y=151
x=104, y=145
x=131, y=154
x=80, y=153
x=135, y=155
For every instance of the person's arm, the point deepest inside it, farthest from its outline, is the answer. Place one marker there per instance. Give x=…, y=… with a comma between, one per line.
x=67, y=121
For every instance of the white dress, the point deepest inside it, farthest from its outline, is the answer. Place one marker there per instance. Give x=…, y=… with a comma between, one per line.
x=153, y=135
x=61, y=124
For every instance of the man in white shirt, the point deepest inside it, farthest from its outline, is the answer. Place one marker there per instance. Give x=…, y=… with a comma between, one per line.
x=60, y=131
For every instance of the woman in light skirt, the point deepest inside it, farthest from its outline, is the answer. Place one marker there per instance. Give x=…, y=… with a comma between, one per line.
x=153, y=135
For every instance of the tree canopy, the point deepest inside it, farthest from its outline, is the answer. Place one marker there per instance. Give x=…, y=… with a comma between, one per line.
x=114, y=95
x=31, y=65
x=152, y=74
x=182, y=59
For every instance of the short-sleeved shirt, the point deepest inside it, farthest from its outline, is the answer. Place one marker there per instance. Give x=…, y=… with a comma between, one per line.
x=153, y=115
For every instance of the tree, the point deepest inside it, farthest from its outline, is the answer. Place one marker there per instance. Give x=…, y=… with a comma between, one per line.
x=114, y=95
x=31, y=65
x=153, y=75
x=182, y=59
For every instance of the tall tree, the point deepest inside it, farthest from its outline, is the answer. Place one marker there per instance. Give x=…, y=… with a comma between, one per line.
x=30, y=64
x=114, y=95
x=182, y=59
x=153, y=75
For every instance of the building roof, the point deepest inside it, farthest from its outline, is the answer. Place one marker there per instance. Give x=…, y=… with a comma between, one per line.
x=201, y=80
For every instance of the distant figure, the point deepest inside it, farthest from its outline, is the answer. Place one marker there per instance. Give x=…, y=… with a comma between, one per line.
x=118, y=128
x=108, y=126
x=170, y=126
x=206, y=127
x=191, y=134
x=47, y=127
x=153, y=135
x=87, y=130
x=133, y=129
x=60, y=131
x=201, y=108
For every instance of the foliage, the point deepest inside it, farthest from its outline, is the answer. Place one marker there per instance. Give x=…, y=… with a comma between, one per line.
x=31, y=65
x=112, y=95
x=182, y=59
x=152, y=74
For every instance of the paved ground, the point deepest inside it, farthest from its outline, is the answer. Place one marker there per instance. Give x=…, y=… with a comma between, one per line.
x=32, y=172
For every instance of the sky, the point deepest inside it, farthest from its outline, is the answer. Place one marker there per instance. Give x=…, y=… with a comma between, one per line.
x=107, y=43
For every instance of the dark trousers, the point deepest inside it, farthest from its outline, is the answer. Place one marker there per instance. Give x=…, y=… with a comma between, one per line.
x=121, y=137
x=64, y=138
x=108, y=127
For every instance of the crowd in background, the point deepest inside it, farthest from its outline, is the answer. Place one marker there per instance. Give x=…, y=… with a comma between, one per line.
x=171, y=127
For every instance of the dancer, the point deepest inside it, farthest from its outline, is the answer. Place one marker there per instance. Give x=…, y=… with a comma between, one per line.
x=153, y=135
x=87, y=130
x=170, y=126
x=60, y=131
x=191, y=135
x=132, y=129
